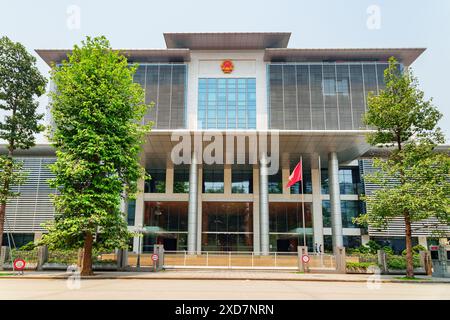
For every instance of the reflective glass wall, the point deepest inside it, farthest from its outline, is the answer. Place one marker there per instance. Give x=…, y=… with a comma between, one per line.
x=349, y=209
x=165, y=223
x=290, y=226
x=349, y=181
x=321, y=96
x=227, y=226
x=227, y=103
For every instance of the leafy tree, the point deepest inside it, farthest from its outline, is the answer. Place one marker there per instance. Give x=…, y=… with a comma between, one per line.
x=98, y=134
x=406, y=122
x=20, y=83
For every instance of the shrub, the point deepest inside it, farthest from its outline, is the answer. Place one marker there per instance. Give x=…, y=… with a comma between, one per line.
x=373, y=246
x=360, y=265
x=399, y=262
x=388, y=250
x=416, y=249
x=28, y=247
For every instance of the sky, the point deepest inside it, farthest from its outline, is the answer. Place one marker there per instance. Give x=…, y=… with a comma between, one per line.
x=48, y=24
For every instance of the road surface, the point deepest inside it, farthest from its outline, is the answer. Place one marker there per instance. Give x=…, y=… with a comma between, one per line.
x=210, y=289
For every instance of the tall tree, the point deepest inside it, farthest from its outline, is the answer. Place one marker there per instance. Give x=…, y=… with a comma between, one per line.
x=20, y=84
x=97, y=110
x=406, y=122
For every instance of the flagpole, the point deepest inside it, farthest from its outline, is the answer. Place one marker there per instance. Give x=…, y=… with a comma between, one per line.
x=303, y=204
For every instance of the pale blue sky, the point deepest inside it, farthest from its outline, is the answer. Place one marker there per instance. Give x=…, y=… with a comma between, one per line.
x=318, y=23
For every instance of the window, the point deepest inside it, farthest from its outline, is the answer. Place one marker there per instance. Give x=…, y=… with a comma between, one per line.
x=342, y=87
x=227, y=103
x=17, y=240
x=241, y=179
x=349, y=181
x=181, y=179
x=349, y=210
x=227, y=226
x=166, y=216
x=329, y=87
x=332, y=87
x=131, y=210
x=288, y=217
x=275, y=183
x=213, y=179
x=307, y=183
x=157, y=181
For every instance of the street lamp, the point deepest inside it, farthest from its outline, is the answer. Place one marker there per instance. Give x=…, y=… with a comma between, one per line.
x=140, y=230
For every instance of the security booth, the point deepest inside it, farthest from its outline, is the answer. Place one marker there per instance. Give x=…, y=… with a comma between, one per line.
x=440, y=257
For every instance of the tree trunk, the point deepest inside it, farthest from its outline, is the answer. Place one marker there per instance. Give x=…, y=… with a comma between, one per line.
x=6, y=190
x=2, y=223
x=408, y=240
x=86, y=262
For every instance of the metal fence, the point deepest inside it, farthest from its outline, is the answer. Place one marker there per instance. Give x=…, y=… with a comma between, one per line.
x=242, y=260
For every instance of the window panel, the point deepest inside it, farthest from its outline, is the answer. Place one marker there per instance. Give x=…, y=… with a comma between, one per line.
x=225, y=97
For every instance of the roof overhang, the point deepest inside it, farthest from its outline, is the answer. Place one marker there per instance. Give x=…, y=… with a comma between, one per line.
x=384, y=152
x=349, y=144
x=38, y=150
x=404, y=55
x=227, y=40
x=133, y=55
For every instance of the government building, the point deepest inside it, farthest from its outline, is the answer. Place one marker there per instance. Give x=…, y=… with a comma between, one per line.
x=221, y=100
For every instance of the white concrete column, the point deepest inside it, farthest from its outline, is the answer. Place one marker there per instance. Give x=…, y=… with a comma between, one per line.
x=37, y=236
x=192, y=208
x=423, y=241
x=139, y=214
x=264, y=204
x=199, y=209
x=256, y=224
x=169, y=177
x=335, y=201
x=316, y=201
x=365, y=238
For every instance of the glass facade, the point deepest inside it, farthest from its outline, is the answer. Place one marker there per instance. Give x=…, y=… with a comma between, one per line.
x=213, y=180
x=349, y=181
x=321, y=96
x=275, y=183
x=306, y=175
x=227, y=103
x=131, y=212
x=165, y=223
x=227, y=226
x=17, y=239
x=165, y=86
x=157, y=181
x=349, y=209
x=286, y=229
x=181, y=179
x=349, y=242
x=288, y=217
x=241, y=179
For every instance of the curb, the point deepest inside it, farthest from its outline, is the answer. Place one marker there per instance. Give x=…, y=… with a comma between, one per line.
x=215, y=278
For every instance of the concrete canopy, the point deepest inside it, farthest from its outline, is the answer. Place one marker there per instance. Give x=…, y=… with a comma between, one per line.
x=349, y=145
x=227, y=40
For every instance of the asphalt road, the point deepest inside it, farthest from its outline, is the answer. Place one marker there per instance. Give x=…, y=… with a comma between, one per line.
x=209, y=289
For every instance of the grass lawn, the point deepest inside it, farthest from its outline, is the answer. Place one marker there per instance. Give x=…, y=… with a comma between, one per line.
x=412, y=279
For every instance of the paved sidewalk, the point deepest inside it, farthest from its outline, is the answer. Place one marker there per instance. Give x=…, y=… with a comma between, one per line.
x=228, y=275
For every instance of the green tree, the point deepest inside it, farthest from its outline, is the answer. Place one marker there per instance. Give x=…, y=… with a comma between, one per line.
x=20, y=83
x=404, y=121
x=98, y=134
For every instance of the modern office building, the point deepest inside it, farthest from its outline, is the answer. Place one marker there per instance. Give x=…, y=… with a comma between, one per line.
x=231, y=94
